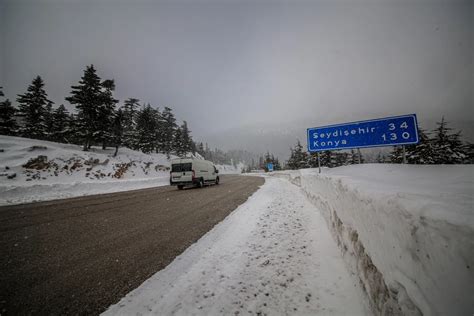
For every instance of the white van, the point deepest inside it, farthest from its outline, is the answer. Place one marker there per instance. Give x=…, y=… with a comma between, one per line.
x=192, y=172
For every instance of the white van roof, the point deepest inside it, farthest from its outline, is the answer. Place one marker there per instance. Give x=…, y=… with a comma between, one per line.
x=181, y=160
x=188, y=159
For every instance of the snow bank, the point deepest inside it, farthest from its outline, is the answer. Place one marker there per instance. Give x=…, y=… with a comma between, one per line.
x=406, y=230
x=33, y=170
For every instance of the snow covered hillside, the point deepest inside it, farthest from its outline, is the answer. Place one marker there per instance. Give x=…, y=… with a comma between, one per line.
x=406, y=230
x=34, y=170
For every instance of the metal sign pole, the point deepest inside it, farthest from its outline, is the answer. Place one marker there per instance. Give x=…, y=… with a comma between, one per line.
x=404, y=155
x=319, y=163
x=358, y=156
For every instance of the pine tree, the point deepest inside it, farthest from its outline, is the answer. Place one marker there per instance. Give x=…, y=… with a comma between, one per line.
x=200, y=149
x=396, y=156
x=168, y=130
x=32, y=109
x=117, y=130
x=48, y=121
x=178, y=142
x=106, y=113
x=298, y=158
x=290, y=163
x=340, y=159
x=325, y=158
x=130, y=112
x=468, y=148
x=332, y=159
x=313, y=160
x=207, y=153
x=146, y=129
x=159, y=139
x=193, y=147
x=72, y=136
x=423, y=152
x=88, y=98
x=353, y=158
x=188, y=144
x=447, y=147
x=8, y=125
x=60, y=129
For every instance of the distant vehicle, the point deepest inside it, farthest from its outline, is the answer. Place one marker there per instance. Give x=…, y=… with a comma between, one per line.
x=193, y=172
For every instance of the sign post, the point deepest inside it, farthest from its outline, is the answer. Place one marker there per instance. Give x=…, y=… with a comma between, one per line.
x=390, y=131
x=319, y=162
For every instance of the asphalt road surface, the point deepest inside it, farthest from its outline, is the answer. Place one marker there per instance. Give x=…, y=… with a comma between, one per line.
x=78, y=256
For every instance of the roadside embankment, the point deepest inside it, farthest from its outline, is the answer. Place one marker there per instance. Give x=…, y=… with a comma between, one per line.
x=406, y=231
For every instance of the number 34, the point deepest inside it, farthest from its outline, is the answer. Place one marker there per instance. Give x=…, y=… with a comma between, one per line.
x=392, y=127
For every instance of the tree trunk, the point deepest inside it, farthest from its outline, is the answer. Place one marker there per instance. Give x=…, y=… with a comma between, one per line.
x=116, y=150
x=86, y=145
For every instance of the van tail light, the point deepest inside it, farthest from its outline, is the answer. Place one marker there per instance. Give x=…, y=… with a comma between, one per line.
x=194, y=175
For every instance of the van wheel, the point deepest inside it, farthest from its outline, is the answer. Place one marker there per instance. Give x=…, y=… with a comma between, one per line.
x=201, y=183
x=180, y=187
x=217, y=180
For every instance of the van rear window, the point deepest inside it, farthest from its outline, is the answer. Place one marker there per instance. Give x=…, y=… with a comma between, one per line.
x=181, y=167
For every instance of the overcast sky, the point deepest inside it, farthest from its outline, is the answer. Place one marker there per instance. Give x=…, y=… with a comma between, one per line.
x=234, y=69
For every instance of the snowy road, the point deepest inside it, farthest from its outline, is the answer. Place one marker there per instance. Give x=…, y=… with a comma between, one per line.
x=273, y=255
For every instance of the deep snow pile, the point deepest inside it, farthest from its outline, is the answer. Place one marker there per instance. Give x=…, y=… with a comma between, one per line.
x=406, y=230
x=273, y=255
x=33, y=170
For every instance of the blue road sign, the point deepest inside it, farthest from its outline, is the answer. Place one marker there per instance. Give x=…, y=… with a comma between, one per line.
x=270, y=167
x=389, y=131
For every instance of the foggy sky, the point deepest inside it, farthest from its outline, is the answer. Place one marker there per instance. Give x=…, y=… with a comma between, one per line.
x=237, y=69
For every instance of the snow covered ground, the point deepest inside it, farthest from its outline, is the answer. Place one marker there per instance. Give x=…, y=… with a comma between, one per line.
x=231, y=169
x=273, y=255
x=33, y=170
x=407, y=231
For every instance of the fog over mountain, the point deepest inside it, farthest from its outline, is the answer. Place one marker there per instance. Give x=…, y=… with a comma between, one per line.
x=253, y=74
